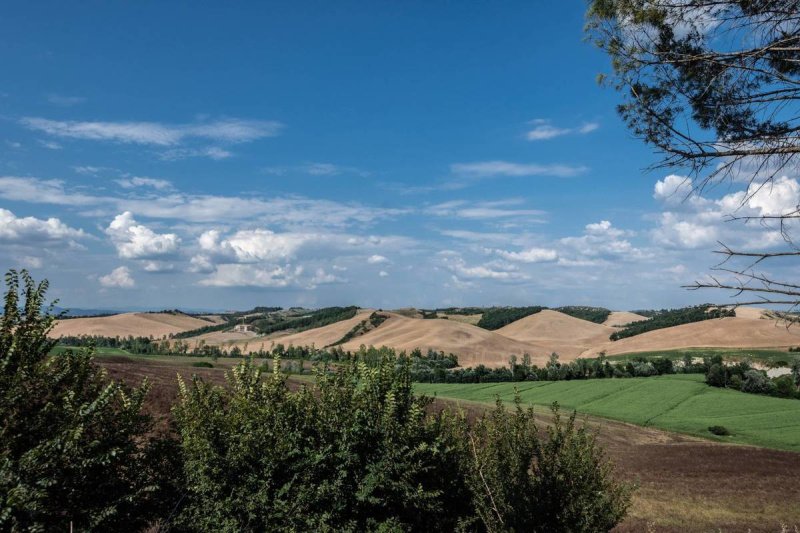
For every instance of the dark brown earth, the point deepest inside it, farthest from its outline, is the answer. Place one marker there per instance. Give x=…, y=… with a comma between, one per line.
x=683, y=483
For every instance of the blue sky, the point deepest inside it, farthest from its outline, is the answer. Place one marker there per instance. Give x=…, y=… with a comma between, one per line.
x=384, y=154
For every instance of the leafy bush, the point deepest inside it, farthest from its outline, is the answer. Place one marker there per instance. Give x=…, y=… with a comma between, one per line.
x=358, y=454
x=757, y=382
x=523, y=482
x=202, y=364
x=73, y=445
x=716, y=376
x=722, y=431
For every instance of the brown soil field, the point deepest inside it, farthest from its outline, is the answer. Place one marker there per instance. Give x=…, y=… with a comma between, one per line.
x=732, y=332
x=125, y=324
x=620, y=318
x=558, y=332
x=472, y=344
x=683, y=483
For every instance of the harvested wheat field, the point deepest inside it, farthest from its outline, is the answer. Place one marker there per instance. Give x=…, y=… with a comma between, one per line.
x=317, y=337
x=218, y=338
x=129, y=324
x=557, y=332
x=621, y=318
x=472, y=344
x=731, y=332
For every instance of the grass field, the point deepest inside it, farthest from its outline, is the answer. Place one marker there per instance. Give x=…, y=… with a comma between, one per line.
x=764, y=356
x=681, y=403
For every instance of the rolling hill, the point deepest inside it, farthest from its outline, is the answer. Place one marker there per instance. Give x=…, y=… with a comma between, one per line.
x=128, y=324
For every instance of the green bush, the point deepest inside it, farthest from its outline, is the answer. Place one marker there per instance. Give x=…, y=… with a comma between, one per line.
x=358, y=454
x=722, y=431
x=73, y=445
x=202, y=364
x=523, y=482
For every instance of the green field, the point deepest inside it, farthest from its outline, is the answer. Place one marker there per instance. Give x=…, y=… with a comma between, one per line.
x=765, y=356
x=680, y=402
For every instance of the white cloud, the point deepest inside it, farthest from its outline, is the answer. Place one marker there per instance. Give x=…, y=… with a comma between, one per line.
x=295, y=211
x=29, y=261
x=544, y=130
x=50, y=145
x=154, y=133
x=31, y=230
x=492, y=270
x=377, y=259
x=603, y=240
x=119, y=277
x=136, y=241
x=482, y=210
x=690, y=221
x=383, y=274
x=131, y=183
x=235, y=275
x=530, y=255
x=488, y=169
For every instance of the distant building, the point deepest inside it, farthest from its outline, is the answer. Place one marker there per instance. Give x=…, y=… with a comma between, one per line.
x=243, y=328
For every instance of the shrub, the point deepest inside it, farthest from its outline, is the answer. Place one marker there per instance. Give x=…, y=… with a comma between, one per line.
x=722, y=431
x=522, y=482
x=73, y=446
x=202, y=364
x=757, y=382
x=358, y=454
x=716, y=376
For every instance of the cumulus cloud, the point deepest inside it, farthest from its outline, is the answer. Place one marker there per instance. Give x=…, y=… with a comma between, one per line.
x=377, y=259
x=31, y=230
x=544, y=130
x=602, y=239
x=120, y=277
x=136, y=241
x=491, y=270
x=530, y=255
x=237, y=275
x=690, y=221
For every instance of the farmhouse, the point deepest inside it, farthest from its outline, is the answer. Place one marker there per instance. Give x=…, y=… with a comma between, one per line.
x=243, y=328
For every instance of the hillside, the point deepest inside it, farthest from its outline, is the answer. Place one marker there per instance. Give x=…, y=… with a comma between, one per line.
x=620, y=318
x=128, y=324
x=472, y=344
x=731, y=332
x=318, y=337
x=557, y=332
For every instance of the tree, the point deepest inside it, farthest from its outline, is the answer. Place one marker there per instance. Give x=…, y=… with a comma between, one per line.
x=73, y=445
x=714, y=86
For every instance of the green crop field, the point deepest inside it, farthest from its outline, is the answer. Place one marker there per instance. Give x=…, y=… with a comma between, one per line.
x=756, y=355
x=681, y=403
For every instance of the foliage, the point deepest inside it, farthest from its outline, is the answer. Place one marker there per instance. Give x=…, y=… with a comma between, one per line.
x=713, y=85
x=202, y=364
x=519, y=479
x=722, y=431
x=672, y=317
x=73, y=446
x=598, y=315
x=358, y=454
x=497, y=317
